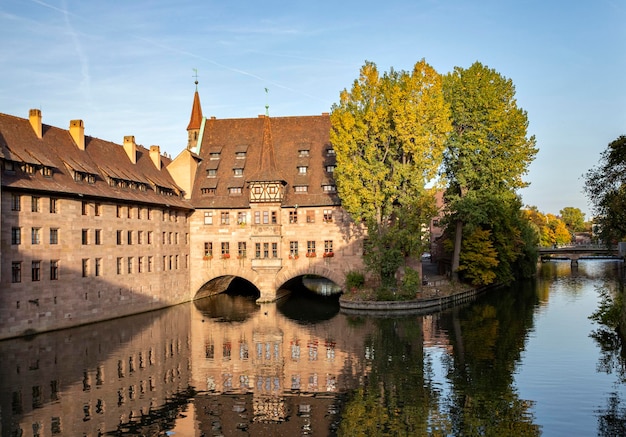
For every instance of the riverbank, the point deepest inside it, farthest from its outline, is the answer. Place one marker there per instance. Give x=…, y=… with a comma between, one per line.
x=437, y=294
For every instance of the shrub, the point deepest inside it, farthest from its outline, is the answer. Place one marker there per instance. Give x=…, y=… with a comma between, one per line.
x=355, y=280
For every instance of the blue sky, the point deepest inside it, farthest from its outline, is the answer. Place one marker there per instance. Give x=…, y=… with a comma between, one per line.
x=125, y=67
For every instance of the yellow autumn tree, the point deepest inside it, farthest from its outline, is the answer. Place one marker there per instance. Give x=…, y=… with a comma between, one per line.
x=478, y=258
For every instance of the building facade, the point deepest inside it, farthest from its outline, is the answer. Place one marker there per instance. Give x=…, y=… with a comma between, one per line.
x=93, y=230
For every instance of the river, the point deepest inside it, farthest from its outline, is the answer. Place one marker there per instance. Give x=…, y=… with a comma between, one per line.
x=519, y=361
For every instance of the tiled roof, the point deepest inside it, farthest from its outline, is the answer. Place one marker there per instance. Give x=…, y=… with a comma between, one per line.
x=196, y=113
x=288, y=136
x=103, y=159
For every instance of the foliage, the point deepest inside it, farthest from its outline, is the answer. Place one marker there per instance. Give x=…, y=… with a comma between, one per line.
x=550, y=228
x=411, y=282
x=478, y=258
x=355, y=280
x=573, y=218
x=388, y=134
x=488, y=151
x=605, y=186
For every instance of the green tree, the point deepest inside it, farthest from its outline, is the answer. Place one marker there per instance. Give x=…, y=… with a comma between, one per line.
x=574, y=218
x=488, y=150
x=388, y=133
x=478, y=258
x=605, y=186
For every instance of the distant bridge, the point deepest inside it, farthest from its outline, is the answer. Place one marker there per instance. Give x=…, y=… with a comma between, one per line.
x=576, y=252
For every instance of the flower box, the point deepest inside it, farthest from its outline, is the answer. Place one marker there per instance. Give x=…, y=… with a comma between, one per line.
x=225, y=255
x=328, y=254
x=207, y=257
x=311, y=255
x=293, y=256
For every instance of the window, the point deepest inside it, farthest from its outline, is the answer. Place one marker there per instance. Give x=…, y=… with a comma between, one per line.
x=35, y=235
x=257, y=217
x=129, y=237
x=293, y=249
x=54, y=203
x=240, y=155
x=84, y=207
x=16, y=235
x=34, y=204
x=208, y=218
x=274, y=217
x=302, y=169
x=330, y=168
x=85, y=236
x=139, y=237
x=303, y=153
x=119, y=266
x=225, y=249
x=328, y=215
x=241, y=218
x=301, y=188
x=274, y=250
x=36, y=270
x=16, y=271
x=129, y=212
x=150, y=263
x=130, y=265
x=234, y=191
x=98, y=234
x=208, y=248
x=140, y=264
x=293, y=216
x=85, y=267
x=149, y=237
x=211, y=173
x=266, y=250
x=214, y=155
x=310, y=216
x=257, y=250
x=119, y=237
x=328, y=247
x=54, y=269
x=224, y=218
x=241, y=249
x=149, y=214
x=46, y=172
x=97, y=209
x=164, y=239
x=237, y=172
x=118, y=211
x=98, y=266
x=54, y=236
x=16, y=202
x=207, y=191
x=266, y=217
x=310, y=248
x=329, y=188
x=330, y=152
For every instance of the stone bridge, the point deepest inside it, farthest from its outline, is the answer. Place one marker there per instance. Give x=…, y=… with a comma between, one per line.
x=214, y=276
x=576, y=252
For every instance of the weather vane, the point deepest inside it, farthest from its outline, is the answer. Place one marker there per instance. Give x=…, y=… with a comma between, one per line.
x=267, y=106
x=195, y=74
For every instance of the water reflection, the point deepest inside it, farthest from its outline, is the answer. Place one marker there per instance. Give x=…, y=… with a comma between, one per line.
x=227, y=366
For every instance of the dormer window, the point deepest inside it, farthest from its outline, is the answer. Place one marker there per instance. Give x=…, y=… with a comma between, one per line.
x=207, y=191
x=302, y=169
x=240, y=155
x=329, y=188
x=214, y=155
x=234, y=191
x=330, y=152
x=46, y=172
x=211, y=173
x=28, y=168
x=9, y=166
x=303, y=153
x=330, y=168
x=301, y=188
x=238, y=172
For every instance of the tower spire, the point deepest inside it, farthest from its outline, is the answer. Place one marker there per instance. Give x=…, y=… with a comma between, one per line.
x=195, y=121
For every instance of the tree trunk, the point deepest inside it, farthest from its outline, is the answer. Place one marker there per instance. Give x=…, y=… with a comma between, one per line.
x=456, y=255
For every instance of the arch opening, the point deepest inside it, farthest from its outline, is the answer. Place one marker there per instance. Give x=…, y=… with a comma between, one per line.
x=309, y=304
x=234, y=303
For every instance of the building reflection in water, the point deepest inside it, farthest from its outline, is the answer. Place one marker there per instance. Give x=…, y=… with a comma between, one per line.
x=222, y=366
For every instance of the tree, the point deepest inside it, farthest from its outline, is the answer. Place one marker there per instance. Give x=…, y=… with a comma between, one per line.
x=388, y=134
x=574, y=218
x=488, y=151
x=605, y=186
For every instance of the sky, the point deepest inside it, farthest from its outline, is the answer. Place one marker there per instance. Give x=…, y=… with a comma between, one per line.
x=127, y=67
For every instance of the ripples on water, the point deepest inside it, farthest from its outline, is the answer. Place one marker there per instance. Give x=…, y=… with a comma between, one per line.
x=516, y=362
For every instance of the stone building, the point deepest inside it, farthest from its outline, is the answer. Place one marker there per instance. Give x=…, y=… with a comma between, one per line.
x=93, y=230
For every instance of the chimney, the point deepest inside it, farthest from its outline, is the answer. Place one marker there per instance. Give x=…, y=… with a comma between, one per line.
x=130, y=148
x=34, y=116
x=77, y=131
x=155, y=155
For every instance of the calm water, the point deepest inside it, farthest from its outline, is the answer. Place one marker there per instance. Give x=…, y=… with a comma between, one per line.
x=519, y=361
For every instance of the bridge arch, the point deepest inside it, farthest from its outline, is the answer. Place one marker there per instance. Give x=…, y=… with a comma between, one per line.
x=338, y=277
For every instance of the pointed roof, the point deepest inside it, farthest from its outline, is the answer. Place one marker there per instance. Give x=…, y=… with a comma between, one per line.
x=196, y=112
x=267, y=170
